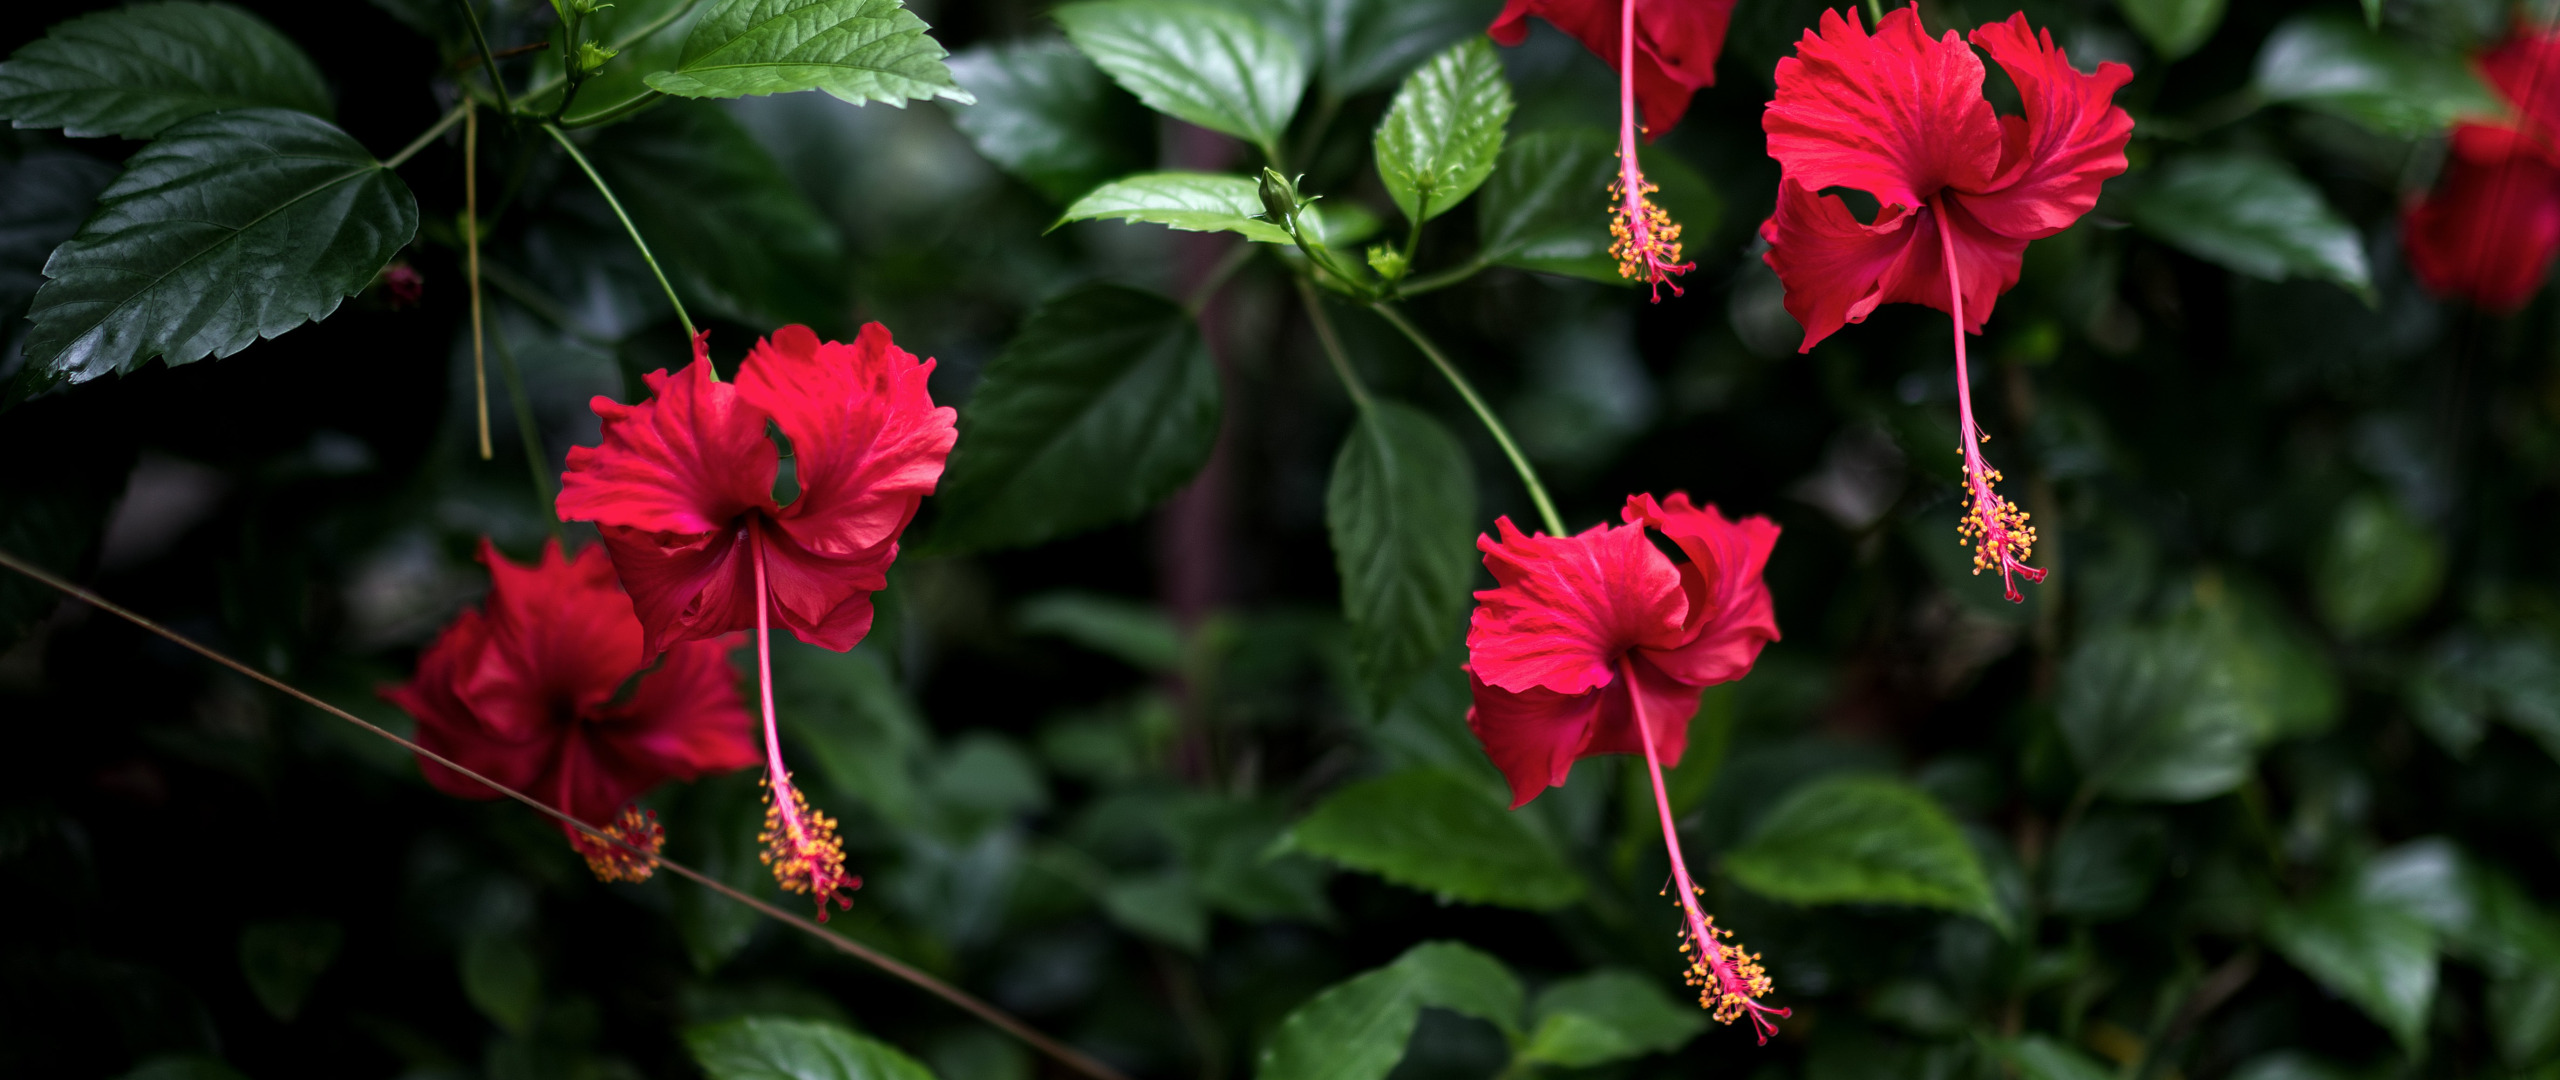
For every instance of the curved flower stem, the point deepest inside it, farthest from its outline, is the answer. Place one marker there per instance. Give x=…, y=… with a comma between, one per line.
x=1332, y=343
x=1501, y=435
x=562, y=138
x=442, y=125
x=617, y=112
x=1065, y=1055
x=471, y=251
x=488, y=59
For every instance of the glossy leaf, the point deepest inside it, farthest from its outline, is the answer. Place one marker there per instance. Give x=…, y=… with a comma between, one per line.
x=1401, y=509
x=2173, y=27
x=774, y=1048
x=855, y=50
x=1208, y=65
x=1364, y=44
x=134, y=72
x=2378, y=569
x=2253, y=214
x=2391, y=83
x=1046, y=114
x=2372, y=953
x=1105, y=403
x=1545, y=207
x=1862, y=840
x=1608, y=1016
x=230, y=227
x=1189, y=201
x=1434, y=831
x=1357, y=1029
x=1443, y=132
x=44, y=195
x=731, y=230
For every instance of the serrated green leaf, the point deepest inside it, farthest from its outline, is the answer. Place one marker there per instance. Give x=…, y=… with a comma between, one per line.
x=1433, y=831
x=2253, y=214
x=2173, y=27
x=230, y=227
x=134, y=72
x=1357, y=1029
x=2373, y=953
x=1208, y=65
x=773, y=1048
x=44, y=195
x=1189, y=201
x=2378, y=569
x=1401, y=510
x=1546, y=205
x=1105, y=403
x=1608, y=1016
x=1046, y=114
x=855, y=50
x=1863, y=840
x=2389, y=83
x=1443, y=133
x=733, y=232
x=281, y=960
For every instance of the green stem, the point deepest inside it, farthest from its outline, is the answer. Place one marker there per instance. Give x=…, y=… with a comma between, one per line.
x=526, y=433
x=624, y=42
x=1501, y=435
x=617, y=112
x=1332, y=344
x=1443, y=279
x=488, y=57
x=1875, y=9
x=562, y=138
x=1413, y=234
x=420, y=143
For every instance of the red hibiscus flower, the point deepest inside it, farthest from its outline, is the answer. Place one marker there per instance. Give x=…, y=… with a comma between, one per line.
x=682, y=489
x=1960, y=192
x=2488, y=231
x=1664, y=50
x=530, y=692
x=1600, y=644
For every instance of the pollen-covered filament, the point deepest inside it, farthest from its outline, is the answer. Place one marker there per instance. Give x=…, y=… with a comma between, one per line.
x=615, y=858
x=1995, y=527
x=800, y=845
x=1645, y=241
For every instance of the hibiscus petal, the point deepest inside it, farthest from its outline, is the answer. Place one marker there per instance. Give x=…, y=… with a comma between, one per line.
x=2526, y=68
x=1565, y=608
x=447, y=725
x=1731, y=616
x=689, y=460
x=1831, y=263
x=1677, y=42
x=1669, y=704
x=1532, y=735
x=867, y=441
x=564, y=628
x=2057, y=155
x=684, y=720
x=2489, y=229
x=684, y=588
x=1896, y=115
x=823, y=598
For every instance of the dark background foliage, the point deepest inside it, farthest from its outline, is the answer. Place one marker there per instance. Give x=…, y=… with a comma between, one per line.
x=2260, y=783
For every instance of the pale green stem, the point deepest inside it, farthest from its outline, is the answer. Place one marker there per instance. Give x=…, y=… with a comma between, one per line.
x=1501, y=435
x=1333, y=345
x=420, y=143
x=488, y=58
x=562, y=138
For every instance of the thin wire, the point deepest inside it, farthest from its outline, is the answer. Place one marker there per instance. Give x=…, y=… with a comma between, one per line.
x=1066, y=1055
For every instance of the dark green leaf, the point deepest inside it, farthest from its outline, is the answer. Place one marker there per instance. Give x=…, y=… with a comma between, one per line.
x=1105, y=403
x=281, y=961
x=230, y=227
x=855, y=50
x=500, y=978
x=1164, y=906
x=1608, y=1016
x=1364, y=44
x=1443, y=133
x=1357, y=1029
x=2373, y=953
x=2524, y=1016
x=1047, y=115
x=1433, y=831
x=2378, y=569
x=1402, y=512
x=1192, y=202
x=2173, y=27
x=2253, y=214
x=2042, y=1057
x=846, y=708
x=722, y=816
x=2103, y=866
x=1546, y=205
x=135, y=71
x=1227, y=844
x=1862, y=840
x=771, y=1048
x=2469, y=678
x=1208, y=65
x=182, y=1068
x=732, y=231
x=2391, y=83
x=44, y=196
x=1137, y=633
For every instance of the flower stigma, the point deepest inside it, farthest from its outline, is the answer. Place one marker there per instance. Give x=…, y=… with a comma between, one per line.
x=629, y=851
x=1644, y=239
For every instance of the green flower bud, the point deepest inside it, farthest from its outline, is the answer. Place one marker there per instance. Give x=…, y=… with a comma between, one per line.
x=1387, y=261
x=592, y=56
x=1279, y=198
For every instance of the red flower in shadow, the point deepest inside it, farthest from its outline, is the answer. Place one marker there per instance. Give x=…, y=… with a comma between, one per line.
x=2488, y=230
x=545, y=689
x=1676, y=43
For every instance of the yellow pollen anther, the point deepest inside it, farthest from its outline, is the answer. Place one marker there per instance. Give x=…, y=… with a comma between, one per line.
x=800, y=845
x=614, y=862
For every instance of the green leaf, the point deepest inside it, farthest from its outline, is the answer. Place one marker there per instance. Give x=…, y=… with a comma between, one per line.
x=846, y=708
x=1139, y=634
x=732, y=231
x=1862, y=840
x=230, y=227
x=773, y=1048
x=1364, y=44
x=1189, y=201
x=2104, y=865
x=1436, y=832
x=2173, y=27
x=2378, y=570
x=2373, y=14
x=855, y=50
x=1357, y=1029
x=1443, y=133
x=647, y=37
x=1047, y=115
x=1208, y=65
x=2387, y=82
x=1402, y=512
x=2468, y=679
x=2373, y=953
x=44, y=195
x=500, y=978
x=1608, y=1016
x=1164, y=906
x=2042, y=1057
x=1105, y=403
x=2524, y=1016
x=1546, y=205
x=281, y=960
x=136, y=71
x=2253, y=214
x=722, y=816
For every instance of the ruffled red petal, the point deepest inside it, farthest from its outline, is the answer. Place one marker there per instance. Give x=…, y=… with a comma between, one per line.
x=1565, y=608
x=1677, y=42
x=2526, y=69
x=2070, y=140
x=1731, y=615
x=1896, y=115
x=1534, y=736
x=563, y=635
x=1838, y=270
x=2488, y=231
